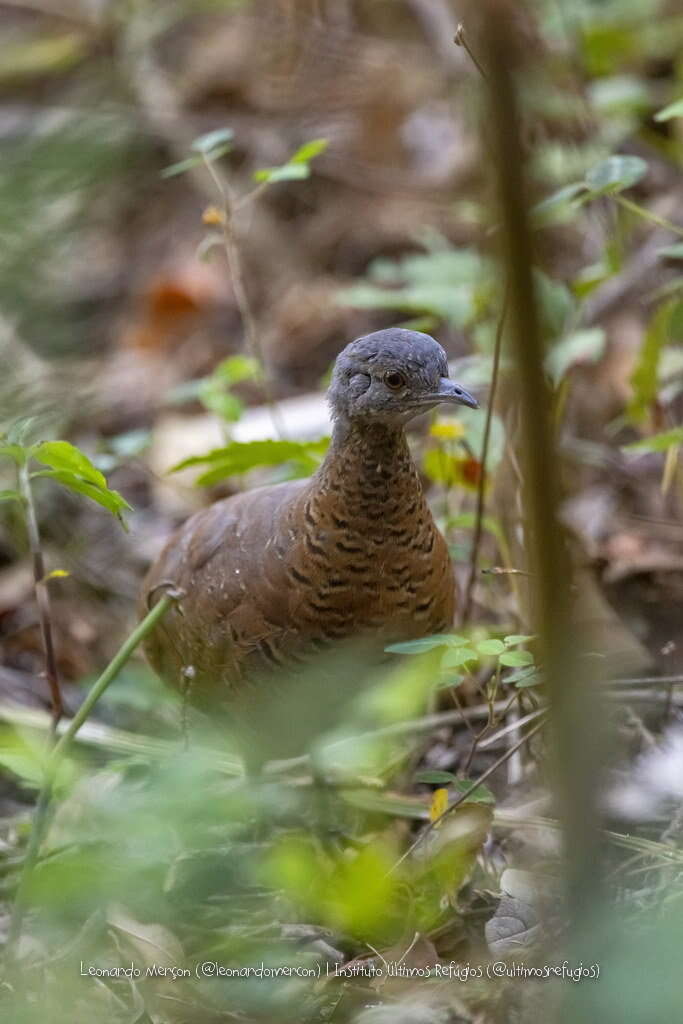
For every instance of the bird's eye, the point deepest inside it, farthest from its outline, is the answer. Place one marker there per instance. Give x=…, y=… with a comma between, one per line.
x=394, y=380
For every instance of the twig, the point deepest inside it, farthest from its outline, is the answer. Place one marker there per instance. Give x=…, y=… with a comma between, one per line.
x=481, y=486
x=161, y=106
x=42, y=812
x=647, y=847
x=575, y=747
x=460, y=40
x=646, y=214
x=234, y=258
x=42, y=594
x=466, y=794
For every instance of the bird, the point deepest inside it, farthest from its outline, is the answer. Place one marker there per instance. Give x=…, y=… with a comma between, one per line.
x=274, y=576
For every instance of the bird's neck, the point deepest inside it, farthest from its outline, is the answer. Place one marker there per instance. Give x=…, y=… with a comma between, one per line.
x=369, y=468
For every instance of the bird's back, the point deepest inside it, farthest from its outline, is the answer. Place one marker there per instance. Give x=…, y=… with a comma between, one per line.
x=224, y=561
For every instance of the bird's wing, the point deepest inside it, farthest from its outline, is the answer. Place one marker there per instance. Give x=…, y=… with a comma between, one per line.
x=230, y=563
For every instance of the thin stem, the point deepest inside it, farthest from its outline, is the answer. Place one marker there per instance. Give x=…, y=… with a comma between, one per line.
x=42, y=812
x=481, y=487
x=112, y=670
x=234, y=258
x=654, y=218
x=42, y=594
x=460, y=40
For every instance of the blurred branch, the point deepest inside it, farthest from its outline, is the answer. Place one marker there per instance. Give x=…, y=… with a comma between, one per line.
x=573, y=715
x=42, y=593
x=481, y=486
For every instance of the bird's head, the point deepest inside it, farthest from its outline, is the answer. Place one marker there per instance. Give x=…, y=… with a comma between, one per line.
x=391, y=376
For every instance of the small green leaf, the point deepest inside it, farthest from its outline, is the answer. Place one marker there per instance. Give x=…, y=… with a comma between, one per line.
x=671, y=252
x=481, y=795
x=111, y=500
x=10, y=496
x=516, y=659
x=645, y=376
x=64, y=456
x=517, y=638
x=558, y=205
x=433, y=777
x=308, y=151
x=490, y=648
x=207, y=144
x=615, y=174
x=179, y=168
x=386, y=803
x=450, y=681
x=236, y=369
x=419, y=646
x=533, y=678
x=297, y=167
x=581, y=347
x=657, y=443
x=287, y=172
x=457, y=657
x=674, y=109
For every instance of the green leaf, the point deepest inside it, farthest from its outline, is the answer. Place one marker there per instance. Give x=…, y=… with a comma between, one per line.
x=111, y=500
x=645, y=376
x=466, y=520
x=298, y=165
x=457, y=657
x=516, y=659
x=422, y=644
x=64, y=456
x=386, y=803
x=183, y=165
x=308, y=151
x=523, y=677
x=615, y=174
x=555, y=303
x=481, y=795
x=287, y=172
x=671, y=252
x=207, y=144
x=194, y=161
x=559, y=205
x=240, y=457
x=657, y=443
x=446, y=283
x=517, y=638
x=581, y=347
x=433, y=777
x=490, y=648
x=10, y=496
x=674, y=109
x=236, y=369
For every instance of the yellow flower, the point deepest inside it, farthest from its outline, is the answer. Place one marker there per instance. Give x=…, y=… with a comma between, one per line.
x=447, y=430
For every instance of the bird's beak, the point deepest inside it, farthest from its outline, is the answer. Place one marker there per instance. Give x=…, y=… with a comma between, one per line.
x=453, y=393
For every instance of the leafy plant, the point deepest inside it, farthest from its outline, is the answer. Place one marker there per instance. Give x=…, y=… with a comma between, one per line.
x=215, y=392
x=68, y=466
x=241, y=456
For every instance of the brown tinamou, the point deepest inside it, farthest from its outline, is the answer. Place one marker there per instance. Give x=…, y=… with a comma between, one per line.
x=274, y=575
